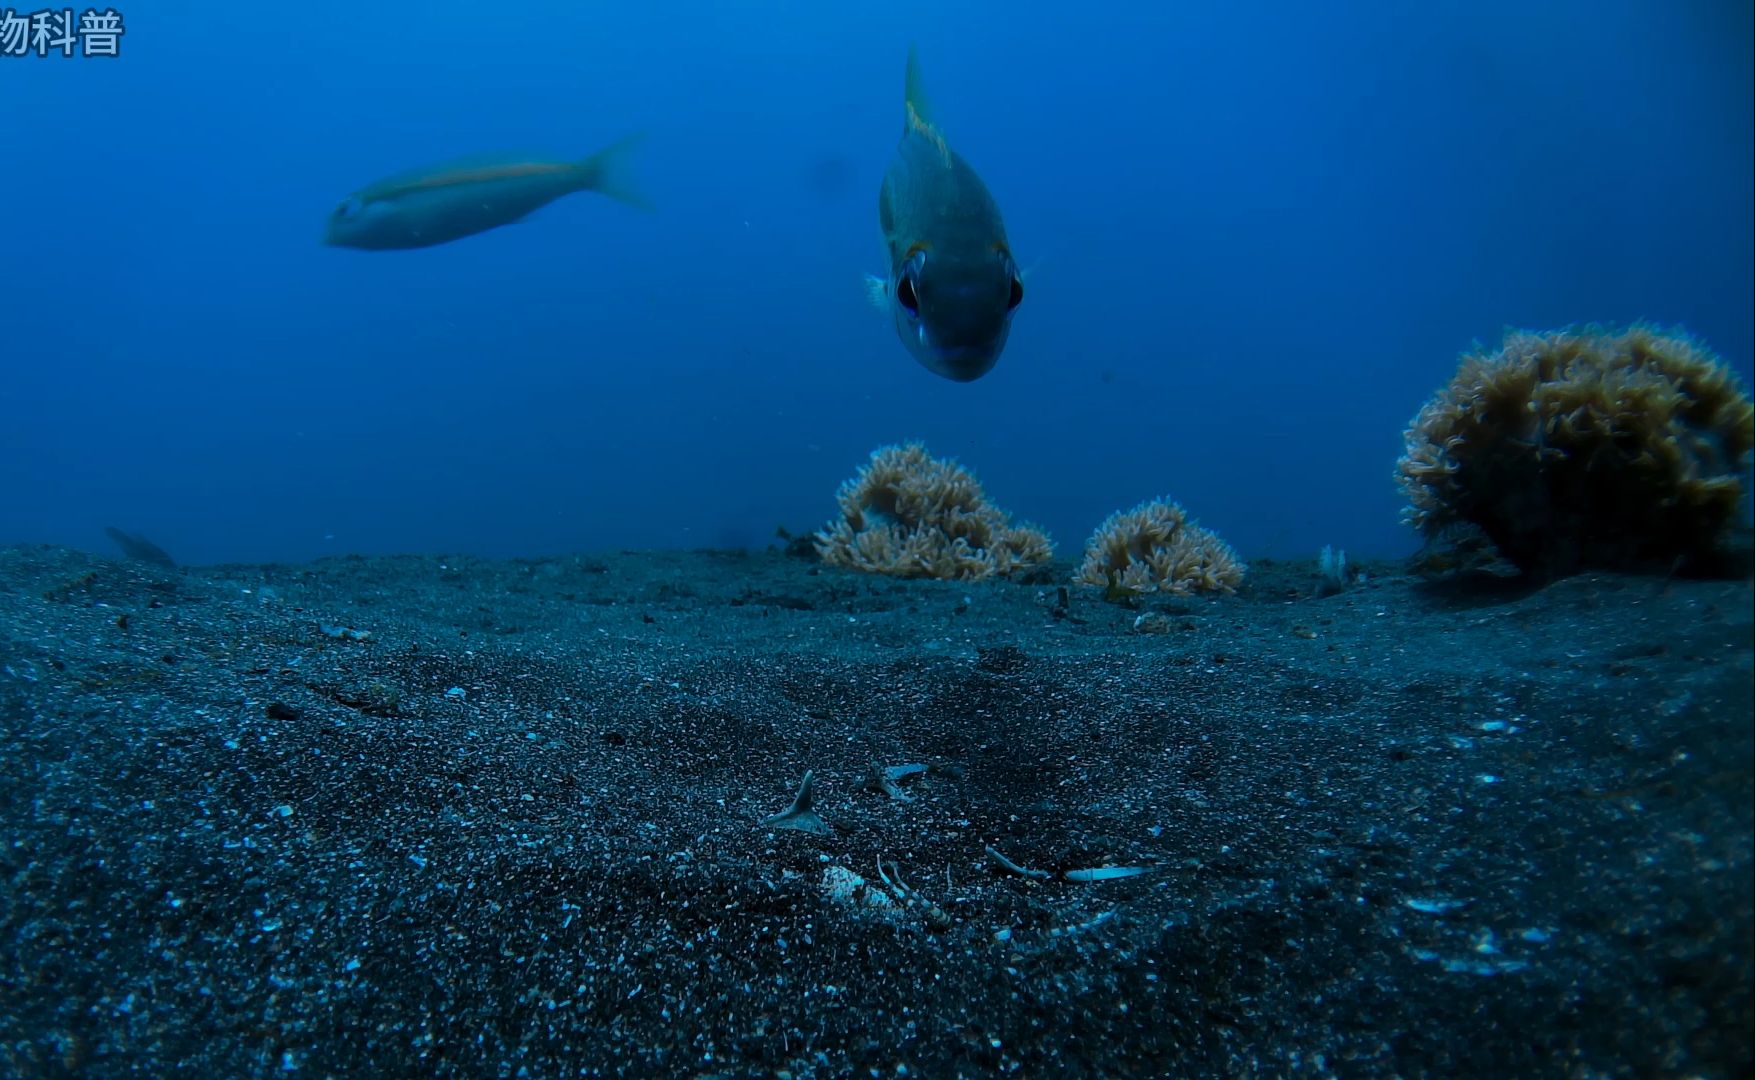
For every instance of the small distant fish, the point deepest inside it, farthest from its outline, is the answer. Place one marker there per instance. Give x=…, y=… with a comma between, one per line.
x=952, y=284
x=830, y=175
x=446, y=202
x=138, y=547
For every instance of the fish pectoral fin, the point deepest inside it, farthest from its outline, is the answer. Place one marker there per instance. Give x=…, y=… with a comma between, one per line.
x=877, y=290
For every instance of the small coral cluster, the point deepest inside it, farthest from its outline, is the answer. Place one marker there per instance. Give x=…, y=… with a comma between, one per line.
x=913, y=515
x=910, y=514
x=1568, y=450
x=1155, y=548
x=1580, y=449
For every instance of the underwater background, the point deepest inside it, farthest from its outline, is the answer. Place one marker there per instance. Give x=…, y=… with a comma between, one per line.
x=1259, y=237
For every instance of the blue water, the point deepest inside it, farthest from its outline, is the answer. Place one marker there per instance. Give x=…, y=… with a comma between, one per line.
x=1263, y=233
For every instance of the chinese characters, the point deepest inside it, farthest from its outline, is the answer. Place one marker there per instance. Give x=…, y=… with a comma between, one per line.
x=52, y=32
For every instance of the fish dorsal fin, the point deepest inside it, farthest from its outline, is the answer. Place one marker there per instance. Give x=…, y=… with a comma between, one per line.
x=914, y=93
x=918, y=108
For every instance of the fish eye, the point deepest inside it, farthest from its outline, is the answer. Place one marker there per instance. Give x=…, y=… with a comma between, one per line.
x=1017, y=296
x=348, y=208
x=906, y=297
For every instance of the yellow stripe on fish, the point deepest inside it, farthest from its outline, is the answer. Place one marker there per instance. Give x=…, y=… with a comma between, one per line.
x=489, y=174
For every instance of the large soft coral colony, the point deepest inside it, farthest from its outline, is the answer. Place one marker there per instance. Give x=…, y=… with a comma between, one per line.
x=910, y=514
x=1155, y=548
x=1584, y=448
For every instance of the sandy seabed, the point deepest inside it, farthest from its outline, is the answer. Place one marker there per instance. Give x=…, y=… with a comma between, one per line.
x=447, y=816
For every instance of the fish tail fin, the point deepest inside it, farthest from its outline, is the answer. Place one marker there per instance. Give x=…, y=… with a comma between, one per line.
x=914, y=94
x=877, y=290
x=606, y=172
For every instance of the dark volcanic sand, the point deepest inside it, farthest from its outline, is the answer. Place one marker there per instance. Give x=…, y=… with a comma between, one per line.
x=1468, y=829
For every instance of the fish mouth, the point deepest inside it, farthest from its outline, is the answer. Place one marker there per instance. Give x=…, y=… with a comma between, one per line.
x=964, y=363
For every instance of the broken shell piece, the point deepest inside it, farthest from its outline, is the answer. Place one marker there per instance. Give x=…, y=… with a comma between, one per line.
x=846, y=887
x=885, y=780
x=1014, y=867
x=344, y=633
x=1106, y=873
x=799, y=815
x=933, y=915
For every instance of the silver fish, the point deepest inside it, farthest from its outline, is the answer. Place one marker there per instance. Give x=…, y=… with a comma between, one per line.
x=448, y=201
x=953, y=284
